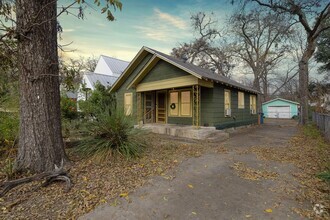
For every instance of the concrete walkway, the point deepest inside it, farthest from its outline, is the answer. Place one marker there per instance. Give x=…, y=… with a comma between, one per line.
x=208, y=187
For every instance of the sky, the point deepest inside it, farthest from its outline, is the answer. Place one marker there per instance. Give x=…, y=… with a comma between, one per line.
x=158, y=24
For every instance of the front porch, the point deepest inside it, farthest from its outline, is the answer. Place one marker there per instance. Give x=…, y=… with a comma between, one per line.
x=185, y=131
x=178, y=106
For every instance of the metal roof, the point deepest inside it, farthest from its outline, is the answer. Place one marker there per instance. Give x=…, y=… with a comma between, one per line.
x=71, y=95
x=116, y=66
x=93, y=78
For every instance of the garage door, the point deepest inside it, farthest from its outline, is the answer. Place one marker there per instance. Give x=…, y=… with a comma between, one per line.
x=279, y=112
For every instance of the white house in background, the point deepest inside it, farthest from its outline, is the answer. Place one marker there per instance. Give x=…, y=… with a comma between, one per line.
x=106, y=72
x=110, y=66
x=90, y=79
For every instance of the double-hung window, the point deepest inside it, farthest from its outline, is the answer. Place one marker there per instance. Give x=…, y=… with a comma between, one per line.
x=128, y=103
x=241, y=100
x=253, y=104
x=227, y=103
x=180, y=103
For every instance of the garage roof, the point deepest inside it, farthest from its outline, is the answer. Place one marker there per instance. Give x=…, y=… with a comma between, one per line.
x=285, y=100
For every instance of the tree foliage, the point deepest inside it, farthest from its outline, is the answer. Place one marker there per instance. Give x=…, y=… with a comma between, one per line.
x=26, y=22
x=98, y=101
x=8, y=75
x=71, y=71
x=312, y=16
x=322, y=54
x=205, y=50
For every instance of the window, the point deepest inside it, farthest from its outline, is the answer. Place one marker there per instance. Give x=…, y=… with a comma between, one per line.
x=227, y=103
x=174, y=103
x=185, y=103
x=253, y=104
x=241, y=100
x=180, y=103
x=128, y=103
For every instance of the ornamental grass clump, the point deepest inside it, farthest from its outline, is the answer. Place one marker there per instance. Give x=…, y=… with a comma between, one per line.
x=109, y=134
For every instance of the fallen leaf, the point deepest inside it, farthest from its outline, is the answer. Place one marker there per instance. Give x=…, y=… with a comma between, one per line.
x=194, y=213
x=248, y=216
x=190, y=186
x=269, y=210
x=123, y=194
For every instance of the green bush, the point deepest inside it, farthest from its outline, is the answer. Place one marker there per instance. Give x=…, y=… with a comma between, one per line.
x=68, y=108
x=71, y=128
x=99, y=101
x=110, y=134
x=310, y=130
x=8, y=127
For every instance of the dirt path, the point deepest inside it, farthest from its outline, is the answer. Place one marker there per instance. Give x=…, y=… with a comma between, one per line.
x=234, y=185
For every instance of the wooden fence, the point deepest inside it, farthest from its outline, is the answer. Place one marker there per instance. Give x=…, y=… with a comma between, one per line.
x=323, y=123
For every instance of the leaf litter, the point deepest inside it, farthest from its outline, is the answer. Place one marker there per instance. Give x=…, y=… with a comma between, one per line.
x=96, y=183
x=311, y=156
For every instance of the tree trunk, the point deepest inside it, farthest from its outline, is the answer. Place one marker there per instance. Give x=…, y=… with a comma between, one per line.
x=256, y=86
x=40, y=138
x=303, y=79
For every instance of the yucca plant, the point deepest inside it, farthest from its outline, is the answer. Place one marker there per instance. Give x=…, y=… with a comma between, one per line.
x=324, y=175
x=111, y=133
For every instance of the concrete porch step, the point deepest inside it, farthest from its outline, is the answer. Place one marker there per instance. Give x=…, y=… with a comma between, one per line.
x=201, y=133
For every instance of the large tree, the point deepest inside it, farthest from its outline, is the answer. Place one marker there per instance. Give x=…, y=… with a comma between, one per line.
x=205, y=50
x=260, y=42
x=323, y=50
x=40, y=138
x=312, y=16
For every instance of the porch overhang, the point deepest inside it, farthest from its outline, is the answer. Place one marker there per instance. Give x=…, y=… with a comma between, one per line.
x=173, y=83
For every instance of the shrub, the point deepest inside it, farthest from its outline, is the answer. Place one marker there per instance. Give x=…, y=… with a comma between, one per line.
x=8, y=127
x=71, y=128
x=110, y=134
x=68, y=108
x=99, y=101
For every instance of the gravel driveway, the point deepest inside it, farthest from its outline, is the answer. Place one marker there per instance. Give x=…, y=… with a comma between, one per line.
x=231, y=185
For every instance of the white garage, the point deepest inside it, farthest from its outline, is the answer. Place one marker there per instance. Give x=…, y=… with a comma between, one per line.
x=279, y=112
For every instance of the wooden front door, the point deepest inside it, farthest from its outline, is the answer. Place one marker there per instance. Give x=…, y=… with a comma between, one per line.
x=161, y=107
x=149, y=110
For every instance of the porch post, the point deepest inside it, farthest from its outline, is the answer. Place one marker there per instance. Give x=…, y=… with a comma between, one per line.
x=196, y=105
x=139, y=107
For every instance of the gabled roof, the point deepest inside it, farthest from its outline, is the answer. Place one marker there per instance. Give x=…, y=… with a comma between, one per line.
x=103, y=79
x=196, y=71
x=116, y=66
x=284, y=100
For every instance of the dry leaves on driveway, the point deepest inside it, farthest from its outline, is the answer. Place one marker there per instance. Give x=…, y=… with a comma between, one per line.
x=97, y=183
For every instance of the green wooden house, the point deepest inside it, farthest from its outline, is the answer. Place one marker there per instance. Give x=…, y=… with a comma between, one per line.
x=157, y=88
